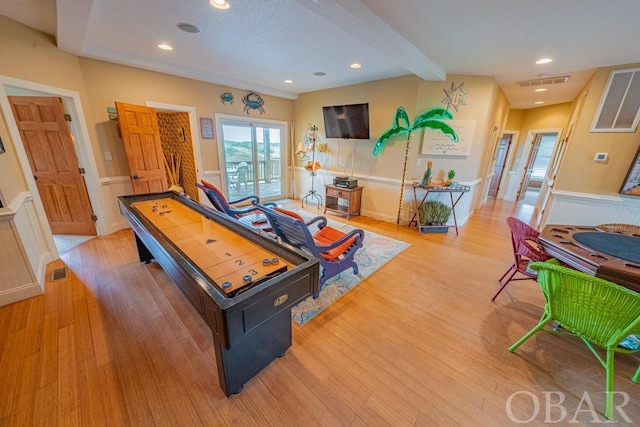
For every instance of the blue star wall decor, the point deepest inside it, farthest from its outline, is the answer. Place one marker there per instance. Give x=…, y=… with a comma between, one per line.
x=455, y=96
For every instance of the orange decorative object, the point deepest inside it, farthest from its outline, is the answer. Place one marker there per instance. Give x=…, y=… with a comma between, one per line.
x=313, y=166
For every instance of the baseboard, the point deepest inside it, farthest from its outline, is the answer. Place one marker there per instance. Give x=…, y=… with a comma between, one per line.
x=45, y=258
x=21, y=292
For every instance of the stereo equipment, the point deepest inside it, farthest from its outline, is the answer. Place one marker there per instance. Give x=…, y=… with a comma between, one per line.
x=345, y=182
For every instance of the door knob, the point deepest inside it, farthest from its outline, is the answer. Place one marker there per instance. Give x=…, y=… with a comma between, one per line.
x=135, y=177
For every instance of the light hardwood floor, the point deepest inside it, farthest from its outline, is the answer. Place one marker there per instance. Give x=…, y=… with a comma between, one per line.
x=417, y=343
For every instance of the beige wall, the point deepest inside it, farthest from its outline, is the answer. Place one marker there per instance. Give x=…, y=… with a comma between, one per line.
x=514, y=121
x=107, y=83
x=579, y=172
x=485, y=103
x=30, y=55
x=383, y=96
x=536, y=119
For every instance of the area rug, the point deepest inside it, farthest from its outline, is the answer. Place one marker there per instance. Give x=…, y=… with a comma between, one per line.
x=376, y=251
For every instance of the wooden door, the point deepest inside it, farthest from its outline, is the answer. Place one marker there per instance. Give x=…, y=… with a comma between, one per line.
x=54, y=164
x=498, y=167
x=141, y=136
x=535, y=146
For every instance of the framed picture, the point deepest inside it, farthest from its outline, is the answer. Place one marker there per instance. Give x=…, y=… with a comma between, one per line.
x=631, y=184
x=206, y=127
x=435, y=143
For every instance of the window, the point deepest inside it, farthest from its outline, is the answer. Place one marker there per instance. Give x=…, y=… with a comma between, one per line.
x=619, y=108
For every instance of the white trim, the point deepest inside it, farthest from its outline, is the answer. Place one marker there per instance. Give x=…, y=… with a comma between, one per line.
x=511, y=150
x=284, y=146
x=193, y=124
x=85, y=151
x=109, y=180
x=19, y=293
x=567, y=207
x=599, y=197
x=34, y=241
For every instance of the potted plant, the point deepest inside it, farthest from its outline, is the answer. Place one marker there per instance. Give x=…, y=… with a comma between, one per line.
x=451, y=175
x=434, y=216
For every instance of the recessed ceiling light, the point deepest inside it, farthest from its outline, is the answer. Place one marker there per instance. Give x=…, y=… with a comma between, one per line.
x=544, y=61
x=319, y=73
x=355, y=65
x=288, y=81
x=165, y=47
x=188, y=28
x=542, y=89
x=539, y=102
x=219, y=4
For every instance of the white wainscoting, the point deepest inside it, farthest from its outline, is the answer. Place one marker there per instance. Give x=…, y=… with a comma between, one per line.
x=380, y=196
x=566, y=207
x=26, y=243
x=215, y=178
x=110, y=189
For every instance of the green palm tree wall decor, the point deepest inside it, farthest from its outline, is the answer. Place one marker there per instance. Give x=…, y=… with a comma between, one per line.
x=432, y=119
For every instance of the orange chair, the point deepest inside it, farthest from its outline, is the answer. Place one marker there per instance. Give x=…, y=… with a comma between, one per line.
x=524, y=240
x=334, y=249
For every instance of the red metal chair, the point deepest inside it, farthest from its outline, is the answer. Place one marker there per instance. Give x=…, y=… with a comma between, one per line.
x=524, y=240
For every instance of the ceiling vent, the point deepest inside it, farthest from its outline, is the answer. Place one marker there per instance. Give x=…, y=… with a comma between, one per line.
x=619, y=109
x=545, y=81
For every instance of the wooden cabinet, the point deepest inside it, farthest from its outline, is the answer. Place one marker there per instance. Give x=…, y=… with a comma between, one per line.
x=343, y=201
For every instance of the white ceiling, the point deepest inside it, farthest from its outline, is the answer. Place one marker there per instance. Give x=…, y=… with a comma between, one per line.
x=256, y=45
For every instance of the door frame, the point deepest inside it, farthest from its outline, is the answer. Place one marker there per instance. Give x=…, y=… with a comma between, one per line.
x=502, y=187
x=524, y=156
x=84, y=151
x=193, y=124
x=284, y=146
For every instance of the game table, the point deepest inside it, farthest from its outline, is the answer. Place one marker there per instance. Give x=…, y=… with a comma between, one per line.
x=611, y=255
x=242, y=284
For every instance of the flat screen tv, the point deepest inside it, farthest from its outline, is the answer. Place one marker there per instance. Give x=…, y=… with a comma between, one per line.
x=346, y=121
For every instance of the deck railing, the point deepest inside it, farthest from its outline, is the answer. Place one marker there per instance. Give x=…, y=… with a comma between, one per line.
x=266, y=172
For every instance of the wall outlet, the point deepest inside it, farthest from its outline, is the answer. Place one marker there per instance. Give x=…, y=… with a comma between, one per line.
x=418, y=162
x=107, y=155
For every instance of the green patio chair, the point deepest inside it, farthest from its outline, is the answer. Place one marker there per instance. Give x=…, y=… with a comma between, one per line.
x=600, y=312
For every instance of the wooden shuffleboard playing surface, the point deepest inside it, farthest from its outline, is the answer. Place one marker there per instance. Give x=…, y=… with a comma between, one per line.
x=243, y=284
x=231, y=261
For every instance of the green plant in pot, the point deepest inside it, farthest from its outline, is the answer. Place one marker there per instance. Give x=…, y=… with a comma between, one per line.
x=451, y=175
x=433, y=212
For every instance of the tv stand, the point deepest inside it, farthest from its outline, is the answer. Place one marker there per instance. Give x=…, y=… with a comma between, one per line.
x=351, y=197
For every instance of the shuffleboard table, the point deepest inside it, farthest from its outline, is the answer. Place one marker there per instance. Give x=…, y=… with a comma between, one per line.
x=241, y=283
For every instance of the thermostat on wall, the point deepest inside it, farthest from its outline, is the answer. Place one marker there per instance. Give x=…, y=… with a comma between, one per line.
x=601, y=157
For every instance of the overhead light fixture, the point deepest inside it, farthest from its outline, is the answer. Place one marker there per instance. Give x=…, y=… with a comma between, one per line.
x=355, y=65
x=539, y=102
x=165, y=47
x=288, y=81
x=188, y=28
x=544, y=61
x=542, y=89
x=219, y=4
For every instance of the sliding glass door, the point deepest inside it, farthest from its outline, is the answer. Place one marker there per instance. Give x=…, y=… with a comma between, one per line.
x=252, y=153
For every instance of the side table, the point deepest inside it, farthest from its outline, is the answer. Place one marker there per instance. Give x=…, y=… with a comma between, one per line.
x=459, y=190
x=351, y=196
